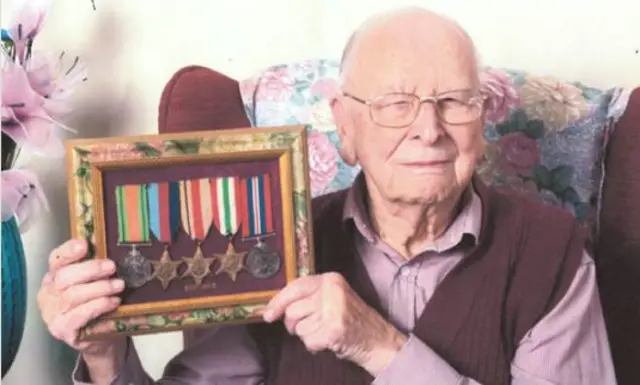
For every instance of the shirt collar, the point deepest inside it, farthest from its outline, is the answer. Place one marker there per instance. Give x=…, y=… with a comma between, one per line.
x=468, y=222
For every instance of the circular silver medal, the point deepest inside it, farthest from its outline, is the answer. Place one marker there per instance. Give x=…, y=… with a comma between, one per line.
x=262, y=262
x=135, y=269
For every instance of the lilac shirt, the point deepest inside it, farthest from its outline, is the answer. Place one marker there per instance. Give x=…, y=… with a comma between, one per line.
x=567, y=347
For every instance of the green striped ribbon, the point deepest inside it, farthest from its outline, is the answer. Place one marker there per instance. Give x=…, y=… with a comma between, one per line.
x=133, y=214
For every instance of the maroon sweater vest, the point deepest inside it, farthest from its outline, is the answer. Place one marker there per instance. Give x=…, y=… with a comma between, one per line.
x=521, y=266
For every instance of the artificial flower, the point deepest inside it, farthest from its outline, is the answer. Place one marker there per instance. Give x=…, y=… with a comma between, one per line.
x=55, y=83
x=22, y=197
x=26, y=23
x=24, y=117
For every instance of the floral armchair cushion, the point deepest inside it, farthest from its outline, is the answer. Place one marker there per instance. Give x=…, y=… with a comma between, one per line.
x=545, y=137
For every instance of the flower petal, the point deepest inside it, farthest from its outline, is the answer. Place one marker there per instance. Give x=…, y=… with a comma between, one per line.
x=17, y=93
x=22, y=197
x=36, y=133
x=42, y=71
x=28, y=19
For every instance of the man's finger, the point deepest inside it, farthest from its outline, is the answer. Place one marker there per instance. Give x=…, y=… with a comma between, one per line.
x=297, y=311
x=71, y=251
x=295, y=291
x=66, y=326
x=83, y=272
x=76, y=295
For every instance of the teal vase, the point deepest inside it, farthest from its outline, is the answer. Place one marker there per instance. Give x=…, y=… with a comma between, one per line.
x=14, y=292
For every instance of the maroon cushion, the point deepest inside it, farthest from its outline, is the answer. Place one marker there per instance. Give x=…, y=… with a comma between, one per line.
x=618, y=252
x=198, y=98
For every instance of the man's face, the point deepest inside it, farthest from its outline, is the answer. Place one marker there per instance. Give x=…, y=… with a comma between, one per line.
x=429, y=160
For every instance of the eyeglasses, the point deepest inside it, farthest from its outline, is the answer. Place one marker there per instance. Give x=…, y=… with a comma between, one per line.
x=399, y=109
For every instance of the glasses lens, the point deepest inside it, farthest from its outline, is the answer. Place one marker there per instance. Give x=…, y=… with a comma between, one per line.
x=394, y=110
x=458, y=110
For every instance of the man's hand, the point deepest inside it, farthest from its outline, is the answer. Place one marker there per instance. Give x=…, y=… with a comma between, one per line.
x=325, y=313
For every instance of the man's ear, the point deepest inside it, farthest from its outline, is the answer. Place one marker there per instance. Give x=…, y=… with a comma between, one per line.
x=345, y=127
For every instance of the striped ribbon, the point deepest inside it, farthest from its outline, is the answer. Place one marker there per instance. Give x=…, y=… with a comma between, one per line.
x=257, y=206
x=226, y=192
x=133, y=214
x=196, y=207
x=164, y=209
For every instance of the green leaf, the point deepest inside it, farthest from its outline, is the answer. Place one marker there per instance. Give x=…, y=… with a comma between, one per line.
x=519, y=120
x=297, y=98
x=184, y=146
x=82, y=172
x=300, y=204
x=542, y=176
x=81, y=151
x=534, y=129
x=562, y=176
x=146, y=149
x=569, y=195
x=581, y=210
x=240, y=312
x=121, y=326
x=88, y=226
x=504, y=128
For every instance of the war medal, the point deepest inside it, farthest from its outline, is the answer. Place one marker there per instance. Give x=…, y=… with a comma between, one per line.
x=231, y=262
x=197, y=213
x=133, y=230
x=164, y=214
x=226, y=192
x=261, y=261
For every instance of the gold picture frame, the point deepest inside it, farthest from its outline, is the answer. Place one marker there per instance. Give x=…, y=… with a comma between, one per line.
x=98, y=167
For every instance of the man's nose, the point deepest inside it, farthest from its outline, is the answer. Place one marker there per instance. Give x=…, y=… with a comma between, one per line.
x=427, y=127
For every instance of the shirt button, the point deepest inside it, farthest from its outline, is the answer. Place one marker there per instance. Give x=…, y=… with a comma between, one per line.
x=405, y=272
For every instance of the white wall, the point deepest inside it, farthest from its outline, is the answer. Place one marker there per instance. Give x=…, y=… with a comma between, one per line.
x=133, y=47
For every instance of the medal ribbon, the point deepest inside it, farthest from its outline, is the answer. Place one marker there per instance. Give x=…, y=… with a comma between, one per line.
x=133, y=214
x=225, y=195
x=257, y=209
x=164, y=209
x=196, y=209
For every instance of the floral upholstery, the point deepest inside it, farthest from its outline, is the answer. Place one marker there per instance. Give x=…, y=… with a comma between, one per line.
x=545, y=137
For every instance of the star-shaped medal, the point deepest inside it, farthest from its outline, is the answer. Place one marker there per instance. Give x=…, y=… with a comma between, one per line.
x=166, y=269
x=231, y=262
x=198, y=266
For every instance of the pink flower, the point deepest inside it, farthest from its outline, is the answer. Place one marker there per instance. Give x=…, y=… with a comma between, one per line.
x=275, y=85
x=25, y=118
x=52, y=80
x=323, y=162
x=518, y=153
x=22, y=197
x=325, y=88
x=26, y=23
x=502, y=97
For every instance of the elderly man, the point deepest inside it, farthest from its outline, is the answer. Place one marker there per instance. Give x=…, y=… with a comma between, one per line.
x=426, y=276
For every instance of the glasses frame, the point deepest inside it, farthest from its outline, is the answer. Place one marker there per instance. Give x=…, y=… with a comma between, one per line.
x=477, y=100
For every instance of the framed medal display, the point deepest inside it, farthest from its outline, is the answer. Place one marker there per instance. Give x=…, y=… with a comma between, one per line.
x=204, y=227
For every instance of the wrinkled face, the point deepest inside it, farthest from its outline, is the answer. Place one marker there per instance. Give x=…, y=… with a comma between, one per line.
x=429, y=160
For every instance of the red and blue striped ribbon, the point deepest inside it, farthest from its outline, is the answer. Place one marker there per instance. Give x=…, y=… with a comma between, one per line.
x=257, y=209
x=164, y=209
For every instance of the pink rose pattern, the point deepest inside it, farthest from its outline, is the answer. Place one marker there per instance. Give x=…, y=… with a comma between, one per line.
x=518, y=154
x=502, y=96
x=323, y=162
